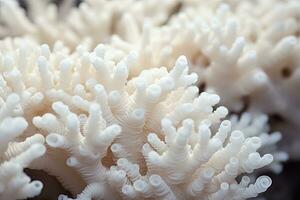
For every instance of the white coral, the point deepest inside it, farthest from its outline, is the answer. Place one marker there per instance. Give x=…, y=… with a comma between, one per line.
x=239, y=50
x=120, y=129
x=149, y=136
x=245, y=52
x=256, y=125
x=92, y=22
x=15, y=154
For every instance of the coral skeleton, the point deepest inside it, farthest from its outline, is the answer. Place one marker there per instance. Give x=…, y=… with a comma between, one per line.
x=92, y=22
x=112, y=136
x=240, y=50
x=246, y=52
x=222, y=52
x=98, y=94
x=16, y=154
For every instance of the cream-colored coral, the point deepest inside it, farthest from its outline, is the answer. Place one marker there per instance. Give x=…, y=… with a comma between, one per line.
x=92, y=22
x=243, y=51
x=256, y=125
x=16, y=154
x=242, y=33
x=117, y=118
x=230, y=58
x=147, y=136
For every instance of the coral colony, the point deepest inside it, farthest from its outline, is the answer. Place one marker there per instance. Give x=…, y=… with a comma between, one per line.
x=146, y=99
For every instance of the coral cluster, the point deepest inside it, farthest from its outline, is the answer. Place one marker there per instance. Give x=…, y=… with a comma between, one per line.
x=92, y=22
x=16, y=154
x=112, y=137
x=240, y=50
x=122, y=117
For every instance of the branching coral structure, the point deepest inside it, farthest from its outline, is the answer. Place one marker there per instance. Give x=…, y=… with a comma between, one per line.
x=240, y=50
x=112, y=136
x=245, y=51
x=17, y=154
x=92, y=22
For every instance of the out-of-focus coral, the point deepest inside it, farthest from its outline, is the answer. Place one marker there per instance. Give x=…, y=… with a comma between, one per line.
x=270, y=48
x=245, y=51
x=147, y=136
x=92, y=22
x=228, y=53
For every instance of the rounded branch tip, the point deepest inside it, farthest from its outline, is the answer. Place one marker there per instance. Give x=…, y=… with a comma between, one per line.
x=155, y=180
x=72, y=162
x=138, y=114
x=224, y=186
x=181, y=61
x=54, y=140
x=237, y=136
x=140, y=185
x=13, y=99
x=265, y=182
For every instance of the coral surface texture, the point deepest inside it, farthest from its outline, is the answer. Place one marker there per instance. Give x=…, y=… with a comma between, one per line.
x=147, y=99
